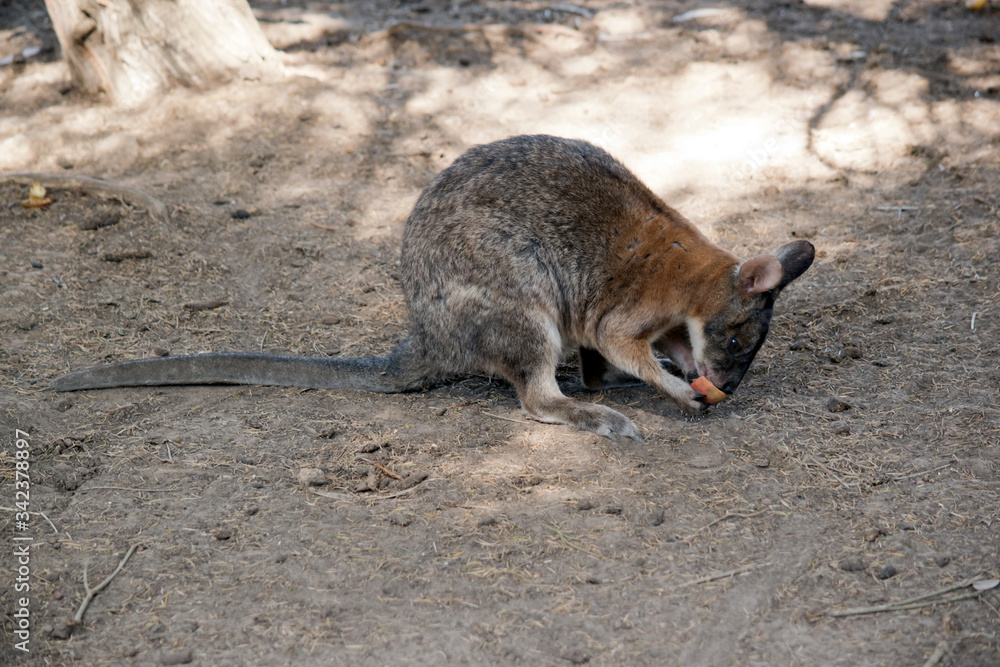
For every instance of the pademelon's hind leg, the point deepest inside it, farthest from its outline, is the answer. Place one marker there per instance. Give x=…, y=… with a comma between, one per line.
x=542, y=400
x=528, y=361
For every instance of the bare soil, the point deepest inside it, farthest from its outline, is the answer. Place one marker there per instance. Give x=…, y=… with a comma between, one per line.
x=856, y=466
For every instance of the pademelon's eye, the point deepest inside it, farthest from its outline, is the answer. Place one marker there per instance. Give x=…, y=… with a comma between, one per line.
x=734, y=347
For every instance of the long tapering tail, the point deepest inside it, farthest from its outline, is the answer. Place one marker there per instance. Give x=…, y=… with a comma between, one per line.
x=387, y=374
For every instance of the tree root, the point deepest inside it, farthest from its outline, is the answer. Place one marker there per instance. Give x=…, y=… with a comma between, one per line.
x=87, y=184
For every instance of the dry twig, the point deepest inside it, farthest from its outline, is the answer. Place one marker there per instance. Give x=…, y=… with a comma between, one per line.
x=925, y=600
x=727, y=515
x=938, y=653
x=385, y=471
x=91, y=592
x=41, y=514
x=724, y=575
x=569, y=541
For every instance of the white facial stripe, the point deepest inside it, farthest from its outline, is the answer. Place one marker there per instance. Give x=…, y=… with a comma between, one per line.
x=696, y=334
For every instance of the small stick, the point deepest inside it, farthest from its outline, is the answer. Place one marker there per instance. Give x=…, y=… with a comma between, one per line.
x=816, y=462
x=41, y=514
x=210, y=304
x=727, y=515
x=723, y=575
x=812, y=414
x=938, y=653
x=903, y=607
x=126, y=488
x=914, y=602
x=91, y=592
x=918, y=474
x=974, y=321
x=394, y=495
x=88, y=184
x=334, y=495
x=326, y=227
x=569, y=541
x=507, y=419
x=990, y=605
x=385, y=471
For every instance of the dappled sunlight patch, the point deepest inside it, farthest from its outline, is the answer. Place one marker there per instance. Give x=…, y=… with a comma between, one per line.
x=291, y=28
x=861, y=134
x=872, y=10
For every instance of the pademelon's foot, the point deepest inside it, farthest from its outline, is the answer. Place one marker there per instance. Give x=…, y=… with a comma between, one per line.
x=598, y=419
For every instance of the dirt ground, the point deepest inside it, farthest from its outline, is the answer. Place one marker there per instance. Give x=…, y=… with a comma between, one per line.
x=856, y=466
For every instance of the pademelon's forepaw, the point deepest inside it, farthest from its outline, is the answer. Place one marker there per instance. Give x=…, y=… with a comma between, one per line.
x=690, y=401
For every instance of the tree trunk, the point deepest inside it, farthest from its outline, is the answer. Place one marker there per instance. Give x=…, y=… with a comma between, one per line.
x=134, y=49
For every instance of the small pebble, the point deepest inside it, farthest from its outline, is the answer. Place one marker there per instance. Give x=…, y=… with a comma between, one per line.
x=942, y=561
x=311, y=477
x=37, y=265
x=182, y=657
x=874, y=534
x=799, y=345
x=852, y=564
x=837, y=405
x=61, y=631
x=887, y=572
x=488, y=520
x=656, y=517
x=222, y=534
x=577, y=656
x=840, y=428
x=401, y=518
x=624, y=624
x=583, y=504
x=160, y=352
x=330, y=319
x=241, y=214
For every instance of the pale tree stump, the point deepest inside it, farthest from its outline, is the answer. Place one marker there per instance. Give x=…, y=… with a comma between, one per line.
x=134, y=49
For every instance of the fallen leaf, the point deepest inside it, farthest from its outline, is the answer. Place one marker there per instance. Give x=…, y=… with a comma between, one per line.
x=986, y=584
x=36, y=197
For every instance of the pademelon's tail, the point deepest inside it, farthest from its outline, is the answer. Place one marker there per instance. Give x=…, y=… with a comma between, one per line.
x=399, y=371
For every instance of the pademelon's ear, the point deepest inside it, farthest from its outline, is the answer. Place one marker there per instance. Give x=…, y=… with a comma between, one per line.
x=795, y=258
x=760, y=274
